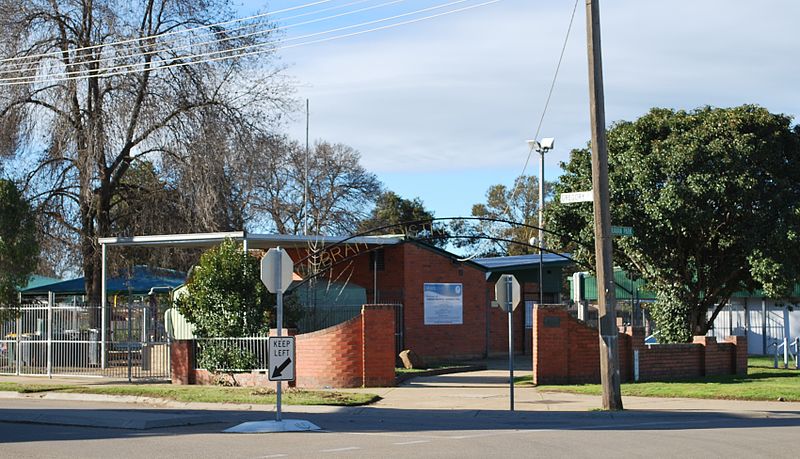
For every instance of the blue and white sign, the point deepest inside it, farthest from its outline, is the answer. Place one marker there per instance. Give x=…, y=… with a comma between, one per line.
x=444, y=304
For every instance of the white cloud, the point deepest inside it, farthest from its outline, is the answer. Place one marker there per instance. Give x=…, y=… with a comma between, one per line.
x=464, y=92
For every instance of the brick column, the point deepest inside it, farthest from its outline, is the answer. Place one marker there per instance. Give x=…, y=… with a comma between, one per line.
x=378, y=349
x=739, y=354
x=181, y=353
x=550, y=348
x=712, y=355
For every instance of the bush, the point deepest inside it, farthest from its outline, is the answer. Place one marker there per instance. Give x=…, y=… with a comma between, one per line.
x=225, y=295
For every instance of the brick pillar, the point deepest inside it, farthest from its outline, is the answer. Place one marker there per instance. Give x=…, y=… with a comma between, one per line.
x=710, y=354
x=550, y=347
x=739, y=354
x=378, y=343
x=181, y=353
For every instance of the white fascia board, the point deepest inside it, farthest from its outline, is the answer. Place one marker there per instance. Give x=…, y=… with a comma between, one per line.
x=197, y=239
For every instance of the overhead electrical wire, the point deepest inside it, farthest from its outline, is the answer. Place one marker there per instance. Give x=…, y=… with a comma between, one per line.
x=32, y=65
x=199, y=44
x=541, y=120
x=165, y=34
x=243, y=51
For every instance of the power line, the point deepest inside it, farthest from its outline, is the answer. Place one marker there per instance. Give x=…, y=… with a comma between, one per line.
x=31, y=65
x=242, y=51
x=191, y=45
x=517, y=186
x=151, y=37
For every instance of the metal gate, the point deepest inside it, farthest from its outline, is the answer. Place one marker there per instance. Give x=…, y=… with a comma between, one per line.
x=57, y=339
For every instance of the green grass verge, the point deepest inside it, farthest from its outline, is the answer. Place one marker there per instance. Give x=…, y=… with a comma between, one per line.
x=30, y=388
x=206, y=394
x=761, y=383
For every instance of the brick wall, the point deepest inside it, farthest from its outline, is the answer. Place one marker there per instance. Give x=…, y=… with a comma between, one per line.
x=407, y=267
x=442, y=342
x=356, y=353
x=332, y=356
x=565, y=351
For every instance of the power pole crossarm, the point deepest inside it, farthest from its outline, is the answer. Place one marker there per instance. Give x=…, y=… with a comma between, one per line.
x=609, y=345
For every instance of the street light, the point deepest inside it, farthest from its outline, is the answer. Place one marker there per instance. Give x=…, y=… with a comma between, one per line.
x=542, y=147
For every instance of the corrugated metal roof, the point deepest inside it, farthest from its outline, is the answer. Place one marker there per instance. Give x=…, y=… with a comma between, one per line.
x=524, y=261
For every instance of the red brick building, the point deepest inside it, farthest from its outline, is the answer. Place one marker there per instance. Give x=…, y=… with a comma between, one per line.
x=411, y=274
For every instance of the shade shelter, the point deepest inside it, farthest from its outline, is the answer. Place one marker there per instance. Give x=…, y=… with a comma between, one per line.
x=140, y=280
x=208, y=240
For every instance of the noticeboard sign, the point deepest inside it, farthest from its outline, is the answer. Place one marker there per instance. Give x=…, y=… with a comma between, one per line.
x=444, y=304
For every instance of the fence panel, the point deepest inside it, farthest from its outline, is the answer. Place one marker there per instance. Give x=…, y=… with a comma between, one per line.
x=65, y=340
x=253, y=349
x=320, y=317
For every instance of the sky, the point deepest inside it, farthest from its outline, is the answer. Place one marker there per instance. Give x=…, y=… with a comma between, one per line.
x=441, y=109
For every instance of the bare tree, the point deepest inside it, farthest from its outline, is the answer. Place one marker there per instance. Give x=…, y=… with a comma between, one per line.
x=90, y=87
x=341, y=193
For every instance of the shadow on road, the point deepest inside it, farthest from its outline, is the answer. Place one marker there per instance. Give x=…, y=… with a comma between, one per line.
x=35, y=425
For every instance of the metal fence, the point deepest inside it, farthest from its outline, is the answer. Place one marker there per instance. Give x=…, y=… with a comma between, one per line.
x=226, y=352
x=65, y=339
x=319, y=317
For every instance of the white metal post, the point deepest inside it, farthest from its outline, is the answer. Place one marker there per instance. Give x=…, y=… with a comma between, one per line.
x=785, y=352
x=18, y=347
x=541, y=225
x=797, y=353
x=50, y=299
x=510, y=307
x=279, y=323
x=103, y=306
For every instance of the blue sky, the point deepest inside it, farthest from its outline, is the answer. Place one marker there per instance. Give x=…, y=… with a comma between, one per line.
x=441, y=109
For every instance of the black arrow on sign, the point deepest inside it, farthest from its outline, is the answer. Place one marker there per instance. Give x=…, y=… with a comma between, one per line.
x=281, y=367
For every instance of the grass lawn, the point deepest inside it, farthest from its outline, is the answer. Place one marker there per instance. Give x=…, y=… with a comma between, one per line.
x=761, y=383
x=208, y=394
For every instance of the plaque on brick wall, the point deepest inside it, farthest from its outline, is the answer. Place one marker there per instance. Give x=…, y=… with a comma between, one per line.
x=552, y=322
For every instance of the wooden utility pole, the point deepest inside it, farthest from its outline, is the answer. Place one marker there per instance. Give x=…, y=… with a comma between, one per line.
x=606, y=299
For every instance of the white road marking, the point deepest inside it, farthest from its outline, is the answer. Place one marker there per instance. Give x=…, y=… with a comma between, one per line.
x=273, y=455
x=414, y=442
x=336, y=450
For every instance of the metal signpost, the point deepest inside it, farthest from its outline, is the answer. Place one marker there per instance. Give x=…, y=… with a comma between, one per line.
x=507, y=292
x=276, y=274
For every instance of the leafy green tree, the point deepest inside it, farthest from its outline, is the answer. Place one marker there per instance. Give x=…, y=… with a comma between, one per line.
x=394, y=212
x=19, y=249
x=226, y=297
x=713, y=197
x=519, y=204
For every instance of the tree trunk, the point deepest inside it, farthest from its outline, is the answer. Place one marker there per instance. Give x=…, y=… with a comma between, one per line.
x=698, y=321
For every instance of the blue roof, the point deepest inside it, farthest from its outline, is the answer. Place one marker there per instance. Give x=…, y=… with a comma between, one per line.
x=523, y=261
x=37, y=280
x=141, y=281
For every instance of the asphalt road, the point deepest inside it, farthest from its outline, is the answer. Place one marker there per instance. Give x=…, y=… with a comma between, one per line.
x=387, y=432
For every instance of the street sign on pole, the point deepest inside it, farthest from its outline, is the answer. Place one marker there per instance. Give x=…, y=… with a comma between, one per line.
x=281, y=358
x=578, y=196
x=276, y=270
x=508, y=294
x=276, y=274
x=621, y=231
x=507, y=301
